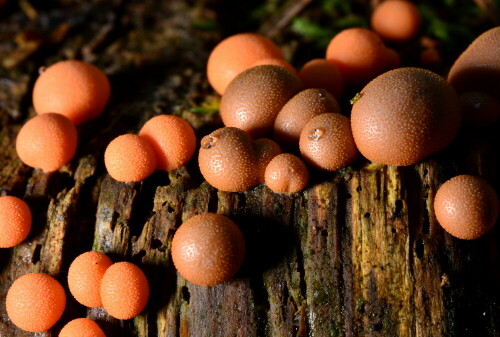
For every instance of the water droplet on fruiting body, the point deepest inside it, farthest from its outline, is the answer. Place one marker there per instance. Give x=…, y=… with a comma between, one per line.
x=317, y=134
x=209, y=141
x=41, y=70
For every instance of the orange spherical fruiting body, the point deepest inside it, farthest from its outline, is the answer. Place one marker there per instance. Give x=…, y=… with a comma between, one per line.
x=208, y=249
x=124, y=290
x=396, y=20
x=236, y=54
x=466, y=207
x=84, y=277
x=47, y=142
x=404, y=115
x=326, y=142
x=359, y=54
x=172, y=139
x=75, y=89
x=81, y=327
x=320, y=73
x=35, y=302
x=15, y=221
x=129, y=158
x=286, y=173
x=265, y=150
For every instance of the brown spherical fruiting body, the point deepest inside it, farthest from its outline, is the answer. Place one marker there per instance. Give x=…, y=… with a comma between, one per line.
x=326, y=142
x=265, y=150
x=320, y=73
x=208, y=249
x=480, y=108
x=466, y=207
x=236, y=54
x=396, y=20
x=15, y=221
x=227, y=160
x=172, y=139
x=478, y=67
x=404, y=115
x=286, y=173
x=298, y=111
x=280, y=62
x=47, y=142
x=129, y=158
x=254, y=98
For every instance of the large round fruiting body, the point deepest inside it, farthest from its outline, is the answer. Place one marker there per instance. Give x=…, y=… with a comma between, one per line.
x=208, y=249
x=265, y=150
x=85, y=275
x=35, y=302
x=47, y=142
x=320, y=73
x=326, y=142
x=124, y=290
x=129, y=158
x=236, y=54
x=298, y=111
x=466, y=207
x=15, y=221
x=75, y=89
x=81, y=327
x=255, y=97
x=227, y=160
x=478, y=67
x=404, y=115
x=286, y=173
x=359, y=54
x=172, y=139
x=396, y=20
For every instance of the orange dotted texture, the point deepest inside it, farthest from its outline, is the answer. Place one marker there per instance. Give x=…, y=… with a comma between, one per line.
x=208, y=249
x=35, y=302
x=81, y=327
x=286, y=173
x=466, y=207
x=15, y=221
x=405, y=115
x=265, y=150
x=124, y=290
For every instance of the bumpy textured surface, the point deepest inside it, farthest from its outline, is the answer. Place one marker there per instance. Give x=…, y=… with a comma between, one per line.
x=405, y=115
x=208, y=249
x=130, y=158
x=396, y=20
x=265, y=150
x=72, y=88
x=466, y=207
x=320, y=73
x=81, y=327
x=286, y=173
x=277, y=62
x=255, y=97
x=47, y=142
x=15, y=221
x=84, y=277
x=172, y=139
x=35, y=302
x=326, y=142
x=236, y=54
x=124, y=290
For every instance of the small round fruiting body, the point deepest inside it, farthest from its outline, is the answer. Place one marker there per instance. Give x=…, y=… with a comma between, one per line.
x=280, y=62
x=320, y=73
x=298, y=111
x=227, y=160
x=15, y=221
x=286, y=173
x=75, y=89
x=84, y=277
x=35, y=302
x=466, y=207
x=47, y=142
x=129, y=158
x=81, y=327
x=396, y=20
x=265, y=150
x=326, y=142
x=480, y=108
x=254, y=98
x=208, y=249
x=172, y=139
x=404, y=115
x=236, y=54
x=124, y=290
x=359, y=54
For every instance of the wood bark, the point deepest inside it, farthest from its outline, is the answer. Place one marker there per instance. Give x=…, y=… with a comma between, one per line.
x=358, y=253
